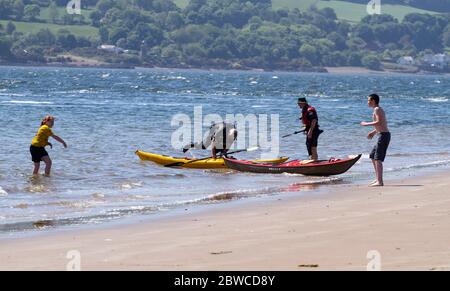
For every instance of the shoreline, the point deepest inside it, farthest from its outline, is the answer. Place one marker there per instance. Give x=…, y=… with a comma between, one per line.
x=328, y=70
x=407, y=222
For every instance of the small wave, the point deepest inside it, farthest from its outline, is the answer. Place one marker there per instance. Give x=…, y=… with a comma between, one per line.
x=260, y=106
x=245, y=193
x=104, y=76
x=126, y=186
x=99, y=196
x=399, y=155
x=37, y=189
x=172, y=78
x=421, y=165
x=166, y=104
x=436, y=99
x=3, y=193
x=159, y=176
x=27, y=102
x=12, y=94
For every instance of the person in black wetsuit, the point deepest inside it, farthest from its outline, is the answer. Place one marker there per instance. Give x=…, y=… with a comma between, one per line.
x=221, y=137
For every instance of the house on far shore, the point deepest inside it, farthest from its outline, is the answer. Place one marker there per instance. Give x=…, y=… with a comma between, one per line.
x=111, y=48
x=407, y=61
x=438, y=61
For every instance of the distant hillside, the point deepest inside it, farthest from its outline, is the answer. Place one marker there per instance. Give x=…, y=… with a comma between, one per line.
x=301, y=35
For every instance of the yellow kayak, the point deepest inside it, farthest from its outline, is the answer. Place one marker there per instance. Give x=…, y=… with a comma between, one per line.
x=203, y=164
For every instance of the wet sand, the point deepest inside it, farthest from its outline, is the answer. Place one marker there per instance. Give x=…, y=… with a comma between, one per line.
x=407, y=223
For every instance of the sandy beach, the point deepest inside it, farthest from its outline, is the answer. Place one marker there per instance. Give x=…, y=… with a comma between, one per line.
x=407, y=223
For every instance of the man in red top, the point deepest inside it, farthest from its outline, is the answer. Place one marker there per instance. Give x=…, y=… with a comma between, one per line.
x=311, y=123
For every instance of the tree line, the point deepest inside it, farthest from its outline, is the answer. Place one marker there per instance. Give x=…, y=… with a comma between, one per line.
x=230, y=34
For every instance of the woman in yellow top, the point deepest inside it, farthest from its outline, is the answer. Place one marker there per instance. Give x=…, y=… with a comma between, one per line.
x=40, y=141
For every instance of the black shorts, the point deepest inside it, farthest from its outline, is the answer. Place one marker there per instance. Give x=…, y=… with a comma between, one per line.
x=379, y=151
x=37, y=154
x=313, y=141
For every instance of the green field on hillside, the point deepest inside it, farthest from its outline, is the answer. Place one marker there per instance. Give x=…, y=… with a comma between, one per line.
x=349, y=11
x=45, y=13
x=33, y=27
x=181, y=3
x=345, y=10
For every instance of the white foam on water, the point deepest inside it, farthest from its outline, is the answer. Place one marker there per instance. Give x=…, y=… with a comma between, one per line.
x=27, y=102
x=420, y=165
x=3, y=193
x=12, y=94
x=437, y=99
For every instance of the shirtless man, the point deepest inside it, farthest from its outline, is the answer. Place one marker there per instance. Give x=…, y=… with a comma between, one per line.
x=381, y=128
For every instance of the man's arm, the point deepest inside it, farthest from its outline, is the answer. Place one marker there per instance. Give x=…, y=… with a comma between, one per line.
x=203, y=145
x=313, y=126
x=377, y=121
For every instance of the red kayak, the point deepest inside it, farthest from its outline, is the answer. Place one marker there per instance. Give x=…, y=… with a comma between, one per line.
x=309, y=168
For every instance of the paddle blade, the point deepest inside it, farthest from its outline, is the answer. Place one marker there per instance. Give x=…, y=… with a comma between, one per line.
x=252, y=149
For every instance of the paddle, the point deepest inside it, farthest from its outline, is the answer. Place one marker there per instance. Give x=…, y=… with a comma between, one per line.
x=179, y=164
x=297, y=132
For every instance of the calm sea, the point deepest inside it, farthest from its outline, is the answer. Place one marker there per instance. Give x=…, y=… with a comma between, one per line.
x=106, y=115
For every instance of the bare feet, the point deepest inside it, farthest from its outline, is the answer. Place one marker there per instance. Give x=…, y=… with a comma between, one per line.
x=373, y=182
x=377, y=184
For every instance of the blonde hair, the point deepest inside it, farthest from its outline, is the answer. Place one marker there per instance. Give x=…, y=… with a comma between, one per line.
x=47, y=119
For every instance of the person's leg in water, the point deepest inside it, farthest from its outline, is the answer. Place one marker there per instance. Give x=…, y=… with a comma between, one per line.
x=379, y=172
x=48, y=165
x=37, y=166
x=376, y=172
